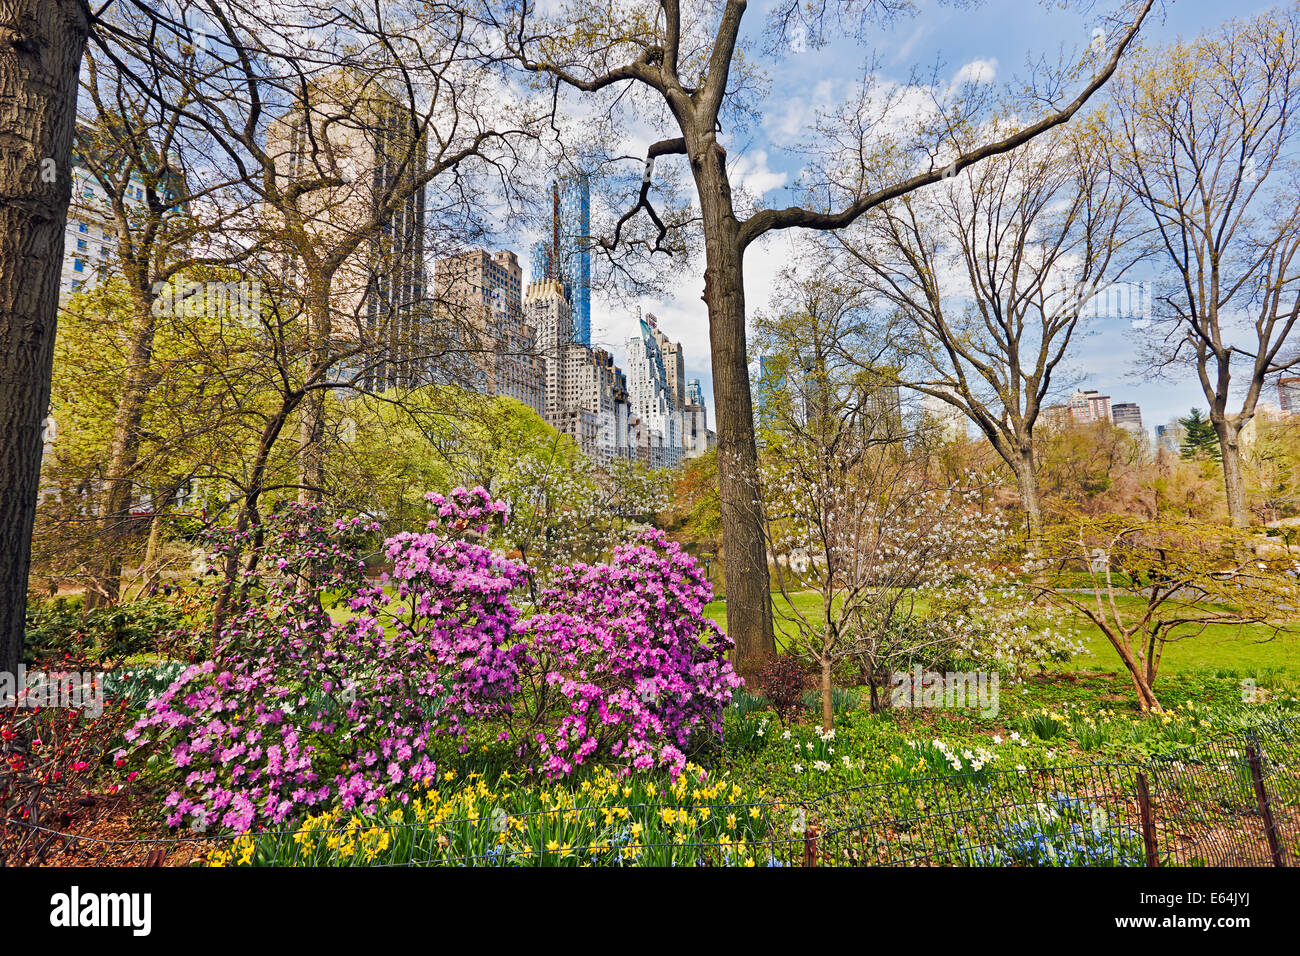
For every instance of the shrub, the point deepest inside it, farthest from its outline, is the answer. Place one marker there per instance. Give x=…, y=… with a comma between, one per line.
x=50, y=755
x=624, y=664
x=296, y=713
x=60, y=628
x=782, y=681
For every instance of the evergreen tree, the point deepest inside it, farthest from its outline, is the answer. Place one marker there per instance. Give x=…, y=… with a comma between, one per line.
x=1199, y=436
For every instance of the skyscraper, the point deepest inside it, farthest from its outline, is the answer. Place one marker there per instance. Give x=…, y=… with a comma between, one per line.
x=1127, y=415
x=696, y=436
x=586, y=394
x=652, y=398
x=547, y=311
x=565, y=255
x=487, y=289
x=345, y=128
x=1089, y=406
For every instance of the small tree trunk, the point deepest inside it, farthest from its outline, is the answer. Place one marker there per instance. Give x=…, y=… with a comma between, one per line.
x=1146, y=694
x=149, y=567
x=41, y=43
x=873, y=687
x=124, y=452
x=828, y=713
x=311, y=448
x=249, y=510
x=311, y=426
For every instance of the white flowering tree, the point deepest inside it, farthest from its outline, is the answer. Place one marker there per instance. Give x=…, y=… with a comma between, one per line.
x=903, y=567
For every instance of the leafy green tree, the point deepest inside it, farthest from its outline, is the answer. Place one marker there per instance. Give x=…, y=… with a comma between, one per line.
x=190, y=438
x=391, y=448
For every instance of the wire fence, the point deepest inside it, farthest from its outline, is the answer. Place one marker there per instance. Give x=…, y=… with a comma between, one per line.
x=1228, y=802
x=1231, y=802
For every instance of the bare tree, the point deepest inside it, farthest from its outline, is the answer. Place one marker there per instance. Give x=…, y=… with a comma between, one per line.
x=1206, y=135
x=995, y=269
x=159, y=201
x=685, y=62
x=332, y=127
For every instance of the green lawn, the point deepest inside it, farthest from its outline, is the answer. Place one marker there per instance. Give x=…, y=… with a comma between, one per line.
x=1230, y=651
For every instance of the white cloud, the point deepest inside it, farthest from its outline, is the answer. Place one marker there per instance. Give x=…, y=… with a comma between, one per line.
x=907, y=46
x=977, y=71
x=751, y=173
x=784, y=125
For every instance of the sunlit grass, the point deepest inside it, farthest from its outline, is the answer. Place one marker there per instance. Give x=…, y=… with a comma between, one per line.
x=1231, y=650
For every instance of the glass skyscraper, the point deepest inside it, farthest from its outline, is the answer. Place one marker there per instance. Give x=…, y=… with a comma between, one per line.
x=571, y=226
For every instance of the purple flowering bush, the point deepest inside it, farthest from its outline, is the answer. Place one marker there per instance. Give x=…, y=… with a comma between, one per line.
x=297, y=712
x=623, y=663
x=293, y=711
x=450, y=601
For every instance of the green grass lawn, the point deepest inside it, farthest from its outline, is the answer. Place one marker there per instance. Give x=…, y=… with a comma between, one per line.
x=1229, y=651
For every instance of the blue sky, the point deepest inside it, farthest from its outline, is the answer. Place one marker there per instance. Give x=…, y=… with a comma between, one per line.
x=999, y=36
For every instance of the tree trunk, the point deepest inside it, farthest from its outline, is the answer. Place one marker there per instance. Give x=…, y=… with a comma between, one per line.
x=311, y=426
x=124, y=454
x=311, y=448
x=1234, y=483
x=249, y=512
x=1146, y=694
x=41, y=43
x=149, y=567
x=1027, y=483
x=749, y=607
x=828, y=711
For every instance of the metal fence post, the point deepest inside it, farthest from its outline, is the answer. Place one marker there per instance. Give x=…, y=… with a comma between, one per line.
x=810, y=846
x=1261, y=797
x=1148, y=820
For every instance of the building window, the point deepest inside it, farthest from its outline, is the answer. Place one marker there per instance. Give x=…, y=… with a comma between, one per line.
x=81, y=227
x=81, y=243
x=78, y=265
